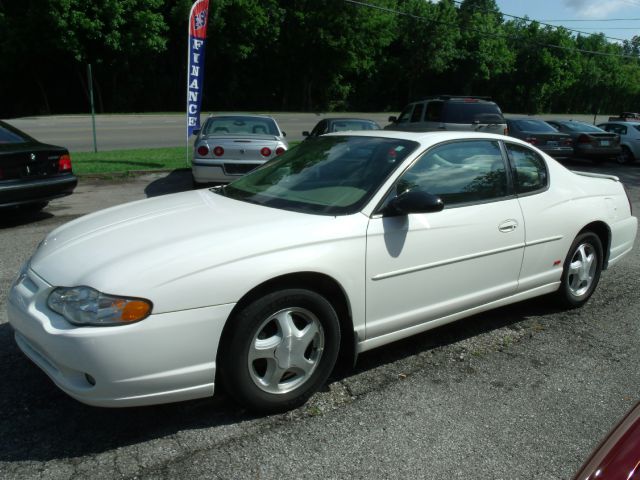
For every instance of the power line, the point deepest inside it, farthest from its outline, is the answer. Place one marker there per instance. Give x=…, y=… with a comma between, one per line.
x=511, y=37
x=592, y=20
x=526, y=19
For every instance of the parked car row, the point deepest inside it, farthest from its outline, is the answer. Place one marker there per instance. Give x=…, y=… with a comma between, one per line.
x=31, y=172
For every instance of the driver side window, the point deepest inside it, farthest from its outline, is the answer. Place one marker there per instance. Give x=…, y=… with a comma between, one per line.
x=459, y=172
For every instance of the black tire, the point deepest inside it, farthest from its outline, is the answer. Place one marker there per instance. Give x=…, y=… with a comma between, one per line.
x=625, y=155
x=267, y=370
x=581, y=271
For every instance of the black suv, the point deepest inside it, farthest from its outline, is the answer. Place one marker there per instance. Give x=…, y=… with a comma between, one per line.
x=450, y=112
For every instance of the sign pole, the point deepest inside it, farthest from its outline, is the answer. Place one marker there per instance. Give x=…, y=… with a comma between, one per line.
x=93, y=110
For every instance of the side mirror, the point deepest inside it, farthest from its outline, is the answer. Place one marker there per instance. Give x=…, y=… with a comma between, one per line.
x=413, y=201
x=195, y=132
x=284, y=134
x=393, y=119
x=305, y=134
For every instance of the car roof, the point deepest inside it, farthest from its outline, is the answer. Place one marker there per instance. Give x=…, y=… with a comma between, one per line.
x=348, y=118
x=620, y=122
x=426, y=138
x=243, y=115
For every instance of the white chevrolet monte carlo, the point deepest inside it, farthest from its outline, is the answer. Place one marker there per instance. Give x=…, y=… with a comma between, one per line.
x=344, y=243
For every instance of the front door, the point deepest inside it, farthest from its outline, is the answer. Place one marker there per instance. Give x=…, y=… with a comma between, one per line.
x=422, y=267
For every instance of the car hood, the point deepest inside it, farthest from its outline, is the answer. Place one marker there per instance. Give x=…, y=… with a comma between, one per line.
x=150, y=247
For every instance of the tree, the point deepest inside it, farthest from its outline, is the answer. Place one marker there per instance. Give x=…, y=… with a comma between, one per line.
x=485, y=53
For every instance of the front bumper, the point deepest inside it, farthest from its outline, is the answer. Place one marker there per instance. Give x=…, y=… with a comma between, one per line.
x=165, y=358
x=23, y=192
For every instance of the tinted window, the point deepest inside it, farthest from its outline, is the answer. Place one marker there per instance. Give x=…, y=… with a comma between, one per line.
x=529, y=169
x=346, y=125
x=405, y=114
x=534, y=126
x=434, y=111
x=416, y=116
x=326, y=175
x=581, y=127
x=9, y=135
x=319, y=129
x=469, y=112
x=459, y=172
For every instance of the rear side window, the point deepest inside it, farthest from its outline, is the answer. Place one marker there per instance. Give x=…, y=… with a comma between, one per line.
x=530, y=170
x=459, y=172
x=416, y=116
x=434, y=111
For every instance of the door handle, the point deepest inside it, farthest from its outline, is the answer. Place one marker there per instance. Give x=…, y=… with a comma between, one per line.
x=508, y=226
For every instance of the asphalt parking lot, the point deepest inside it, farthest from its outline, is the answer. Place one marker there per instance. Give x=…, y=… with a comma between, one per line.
x=523, y=392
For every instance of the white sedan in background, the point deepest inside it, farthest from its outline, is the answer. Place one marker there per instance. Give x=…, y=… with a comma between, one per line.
x=629, y=139
x=343, y=244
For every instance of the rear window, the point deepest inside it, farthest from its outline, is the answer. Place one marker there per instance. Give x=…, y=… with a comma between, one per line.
x=9, y=135
x=581, y=127
x=534, y=126
x=351, y=125
x=240, y=126
x=469, y=112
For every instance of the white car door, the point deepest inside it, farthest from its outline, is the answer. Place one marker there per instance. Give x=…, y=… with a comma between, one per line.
x=421, y=267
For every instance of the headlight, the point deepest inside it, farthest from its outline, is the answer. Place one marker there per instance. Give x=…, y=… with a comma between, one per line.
x=87, y=306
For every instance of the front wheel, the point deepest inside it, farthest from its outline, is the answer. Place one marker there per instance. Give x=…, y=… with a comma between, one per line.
x=581, y=271
x=281, y=349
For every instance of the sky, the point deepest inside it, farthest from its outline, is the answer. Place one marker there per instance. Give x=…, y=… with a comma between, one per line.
x=595, y=15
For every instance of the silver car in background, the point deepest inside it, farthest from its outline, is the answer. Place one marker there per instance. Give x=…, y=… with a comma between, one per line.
x=629, y=139
x=228, y=146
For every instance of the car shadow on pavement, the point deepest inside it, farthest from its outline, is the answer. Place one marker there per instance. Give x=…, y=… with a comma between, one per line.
x=42, y=423
x=519, y=316
x=178, y=180
x=10, y=218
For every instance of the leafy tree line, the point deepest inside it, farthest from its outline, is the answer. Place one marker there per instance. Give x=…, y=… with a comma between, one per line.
x=309, y=55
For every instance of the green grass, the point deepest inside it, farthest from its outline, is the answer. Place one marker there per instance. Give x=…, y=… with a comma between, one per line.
x=123, y=161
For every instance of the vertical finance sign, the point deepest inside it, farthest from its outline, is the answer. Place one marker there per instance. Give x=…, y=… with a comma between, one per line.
x=195, y=73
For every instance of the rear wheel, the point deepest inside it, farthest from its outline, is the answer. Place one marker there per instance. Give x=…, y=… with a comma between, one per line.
x=281, y=349
x=581, y=272
x=625, y=155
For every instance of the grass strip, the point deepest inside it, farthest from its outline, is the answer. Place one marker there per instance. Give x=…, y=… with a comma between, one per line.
x=119, y=161
x=124, y=161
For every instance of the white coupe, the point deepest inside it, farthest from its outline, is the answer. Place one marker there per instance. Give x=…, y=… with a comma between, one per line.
x=344, y=243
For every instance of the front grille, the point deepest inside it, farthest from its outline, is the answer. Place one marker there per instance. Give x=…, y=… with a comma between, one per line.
x=239, y=168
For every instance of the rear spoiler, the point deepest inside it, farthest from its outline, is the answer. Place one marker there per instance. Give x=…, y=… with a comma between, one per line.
x=596, y=175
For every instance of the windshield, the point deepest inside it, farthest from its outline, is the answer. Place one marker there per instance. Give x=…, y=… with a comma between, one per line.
x=325, y=175
x=240, y=125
